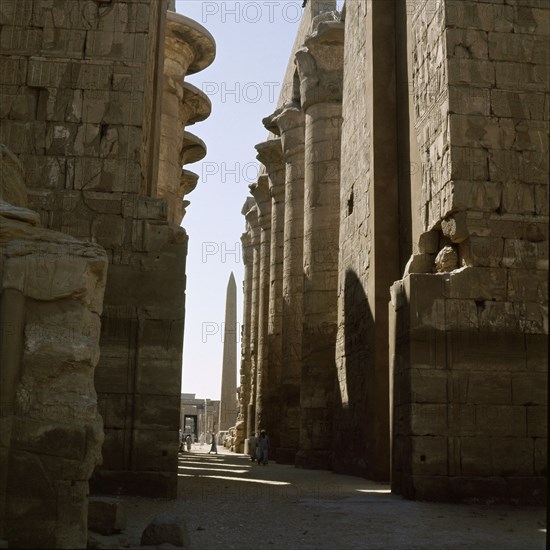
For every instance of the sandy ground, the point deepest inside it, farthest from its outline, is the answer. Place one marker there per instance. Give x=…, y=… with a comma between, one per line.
x=229, y=502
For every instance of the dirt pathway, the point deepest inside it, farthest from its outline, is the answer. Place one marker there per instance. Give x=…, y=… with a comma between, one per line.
x=230, y=502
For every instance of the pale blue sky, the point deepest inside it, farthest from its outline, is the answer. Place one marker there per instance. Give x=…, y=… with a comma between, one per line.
x=254, y=40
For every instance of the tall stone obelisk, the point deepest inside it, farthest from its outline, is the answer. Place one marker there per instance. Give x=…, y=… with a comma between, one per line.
x=228, y=404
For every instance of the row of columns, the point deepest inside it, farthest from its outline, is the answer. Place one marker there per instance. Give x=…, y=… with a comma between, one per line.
x=288, y=368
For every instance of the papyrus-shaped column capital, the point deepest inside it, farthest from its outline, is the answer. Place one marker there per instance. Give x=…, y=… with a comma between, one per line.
x=270, y=154
x=260, y=191
x=253, y=225
x=189, y=47
x=289, y=123
x=196, y=105
x=320, y=62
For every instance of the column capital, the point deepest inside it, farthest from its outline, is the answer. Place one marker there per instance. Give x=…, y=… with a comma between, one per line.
x=253, y=225
x=289, y=120
x=320, y=62
x=195, y=105
x=260, y=192
x=246, y=245
x=193, y=149
x=188, y=182
x=188, y=46
x=270, y=154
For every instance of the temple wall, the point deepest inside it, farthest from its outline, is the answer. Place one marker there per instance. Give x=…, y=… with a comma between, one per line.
x=81, y=91
x=470, y=316
x=443, y=213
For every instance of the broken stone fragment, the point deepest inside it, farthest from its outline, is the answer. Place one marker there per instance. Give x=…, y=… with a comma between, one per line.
x=105, y=515
x=446, y=260
x=166, y=528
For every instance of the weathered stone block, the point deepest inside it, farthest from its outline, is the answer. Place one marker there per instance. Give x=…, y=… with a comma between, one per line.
x=472, y=72
x=520, y=105
x=428, y=386
x=500, y=420
x=527, y=285
x=468, y=43
x=116, y=45
x=537, y=352
x=106, y=515
x=429, y=455
x=38, y=437
x=541, y=460
x=529, y=389
x=490, y=387
x=429, y=420
x=20, y=40
x=480, y=15
x=531, y=19
x=156, y=451
x=482, y=251
x=512, y=456
x=461, y=315
x=462, y=418
x=475, y=456
x=520, y=253
x=486, y=351
x=537, y=425
x=521, y=76
x=476, y=283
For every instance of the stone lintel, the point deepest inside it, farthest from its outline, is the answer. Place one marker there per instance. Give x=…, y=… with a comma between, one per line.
x=187, y=31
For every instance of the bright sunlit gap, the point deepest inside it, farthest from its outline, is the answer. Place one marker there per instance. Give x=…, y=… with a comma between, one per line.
x=385, y=491
x=228, y=478
x=225, y=465
x=212, y=469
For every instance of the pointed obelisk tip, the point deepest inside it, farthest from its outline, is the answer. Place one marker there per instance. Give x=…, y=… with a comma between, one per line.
x=232, y=278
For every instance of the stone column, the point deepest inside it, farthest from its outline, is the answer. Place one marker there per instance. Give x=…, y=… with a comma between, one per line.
x=188, y=48
x=244, y=389
x=260, y=191
x=320, y=67
x=288, y=122
x=270, y=155
x=254, y=232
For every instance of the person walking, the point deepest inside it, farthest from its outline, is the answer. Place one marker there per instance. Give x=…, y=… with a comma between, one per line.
x=263, y=445
x=252, y=445
x=214, y=447
x=188, y=443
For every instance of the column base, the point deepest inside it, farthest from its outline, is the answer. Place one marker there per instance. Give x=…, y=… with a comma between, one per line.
x=314, y=460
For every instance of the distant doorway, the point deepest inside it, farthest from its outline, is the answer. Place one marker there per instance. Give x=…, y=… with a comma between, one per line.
x=191, y=425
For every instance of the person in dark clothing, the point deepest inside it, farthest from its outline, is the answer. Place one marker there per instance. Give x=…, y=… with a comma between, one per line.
x=263, y=446
x=214, y=447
